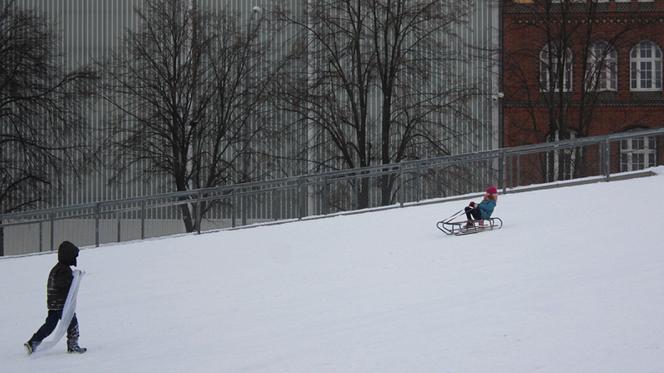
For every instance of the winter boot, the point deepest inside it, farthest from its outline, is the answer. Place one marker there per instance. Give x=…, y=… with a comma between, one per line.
x=469, y=224
x=73, y=347
x=72, y=338
x=31, y=346
x=76, y=349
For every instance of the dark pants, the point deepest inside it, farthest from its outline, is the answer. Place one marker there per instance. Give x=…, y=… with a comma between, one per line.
x=473, y=213
x=51, y=322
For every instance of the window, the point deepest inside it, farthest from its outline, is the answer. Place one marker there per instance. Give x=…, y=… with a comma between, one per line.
x=550, y=73
x=637, y=154
x=602, y=67
x=645, y=67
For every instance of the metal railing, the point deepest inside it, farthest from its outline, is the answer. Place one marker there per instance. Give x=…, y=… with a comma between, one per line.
x=330, y=192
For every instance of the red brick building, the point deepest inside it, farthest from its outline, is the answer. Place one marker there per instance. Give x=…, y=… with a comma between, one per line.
x=575, y=68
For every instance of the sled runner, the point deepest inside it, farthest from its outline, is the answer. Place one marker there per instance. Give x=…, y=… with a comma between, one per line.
x=460, y=228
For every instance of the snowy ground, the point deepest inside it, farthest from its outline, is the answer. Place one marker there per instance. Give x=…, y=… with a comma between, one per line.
x=574, y=282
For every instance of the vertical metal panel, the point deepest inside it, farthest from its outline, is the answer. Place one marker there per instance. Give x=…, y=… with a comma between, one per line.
x=92, y=29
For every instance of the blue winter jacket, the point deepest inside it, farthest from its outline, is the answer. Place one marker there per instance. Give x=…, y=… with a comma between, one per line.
x=486, y=208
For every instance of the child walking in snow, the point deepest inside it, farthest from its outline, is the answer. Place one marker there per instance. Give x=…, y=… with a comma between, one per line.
x=59, y=281
x=484, y=209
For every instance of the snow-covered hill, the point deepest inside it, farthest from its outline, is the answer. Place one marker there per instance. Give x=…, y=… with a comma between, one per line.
x=574, y=282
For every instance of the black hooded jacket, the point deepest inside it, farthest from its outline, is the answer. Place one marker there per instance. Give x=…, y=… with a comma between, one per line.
x=61, y=276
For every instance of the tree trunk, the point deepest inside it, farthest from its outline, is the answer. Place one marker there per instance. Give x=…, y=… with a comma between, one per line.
x=185, y=208
x=387, y=186
x=581, y=166
x=2, y=240
x=189, y=224
x=549, y=174
x=386, y=190
x=564, y=155
x=363, y=194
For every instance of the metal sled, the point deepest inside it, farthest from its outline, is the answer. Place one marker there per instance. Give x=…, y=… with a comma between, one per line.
x=458, y=228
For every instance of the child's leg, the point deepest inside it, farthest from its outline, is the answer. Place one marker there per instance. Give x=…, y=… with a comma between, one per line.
x=468, y=211
x=72, y=333
x=48, y=327
x=473, y=213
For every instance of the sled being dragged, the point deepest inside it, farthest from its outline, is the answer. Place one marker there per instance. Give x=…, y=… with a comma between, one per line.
x=460, y=227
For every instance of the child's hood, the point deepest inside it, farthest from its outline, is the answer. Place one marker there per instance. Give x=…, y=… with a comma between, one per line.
x=67, y=253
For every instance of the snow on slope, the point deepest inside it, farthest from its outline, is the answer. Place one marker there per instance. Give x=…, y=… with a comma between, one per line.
x=574, y=282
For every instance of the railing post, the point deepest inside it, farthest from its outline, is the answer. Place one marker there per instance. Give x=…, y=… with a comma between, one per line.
x=438, y=183
x=142, y=219
x=503, y=170
x=199, y=213
x=607, y=159
x=518, y=170
x=355, y=193
x=500, y=171
x=97, y=208
x=326, y=196
x=117, y=216
x=243, y=207
x=52, y=219
x=233, y=203
x=41, y=236
x=275, y=205
x=443, y=180
x=418, y=182
x=401, y=187
x=300, y=199
x=510, y=171
x=600, y=148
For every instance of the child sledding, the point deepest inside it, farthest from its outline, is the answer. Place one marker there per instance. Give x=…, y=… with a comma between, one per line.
x=478, y=216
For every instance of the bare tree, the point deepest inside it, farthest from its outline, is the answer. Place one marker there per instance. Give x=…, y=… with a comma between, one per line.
x=330, y=93
x=42, y=129
x=375, y=80
x=186, y=88
x=414, y=43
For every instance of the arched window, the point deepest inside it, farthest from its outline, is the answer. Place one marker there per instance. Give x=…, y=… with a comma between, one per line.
x=550, y=73
x=645, y=67
x=602, y=67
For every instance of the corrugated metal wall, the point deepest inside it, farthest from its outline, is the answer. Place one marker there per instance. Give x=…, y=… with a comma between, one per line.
x=91, y=29
x=481, y=33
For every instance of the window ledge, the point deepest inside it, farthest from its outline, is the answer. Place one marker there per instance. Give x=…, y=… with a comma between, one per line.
x=544, y=95
x=606, y=96
x=647, y=95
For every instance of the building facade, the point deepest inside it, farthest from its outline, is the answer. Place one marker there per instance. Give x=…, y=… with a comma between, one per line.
x=582, y=68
